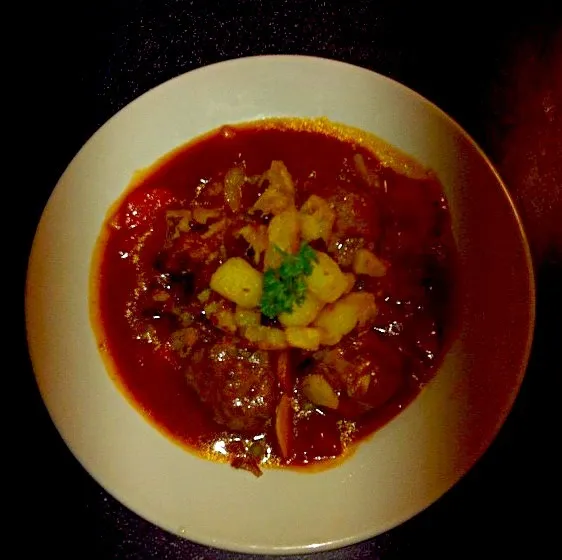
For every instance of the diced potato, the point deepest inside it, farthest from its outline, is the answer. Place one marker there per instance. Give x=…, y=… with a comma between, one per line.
x=327, y=282
x=365, y=304
x=302, y=315
x=275, y=339
x=283, y=231
x=365, y=262
x=318, y=391
x=284, y=425
x=246, y=317
x=280, y=194
x=256, y=236
x=233, y=181
x=340, y=318
x=237, y=281
x=335, y=321
x=307, y=338
x=266, y=338
x=316, y=219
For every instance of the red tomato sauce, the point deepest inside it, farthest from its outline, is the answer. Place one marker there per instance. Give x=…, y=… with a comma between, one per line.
x=149, y=276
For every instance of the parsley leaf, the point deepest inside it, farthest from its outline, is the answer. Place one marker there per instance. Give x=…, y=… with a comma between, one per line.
x=285, y=287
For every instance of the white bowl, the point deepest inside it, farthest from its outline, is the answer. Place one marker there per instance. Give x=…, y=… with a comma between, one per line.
x=407, y=464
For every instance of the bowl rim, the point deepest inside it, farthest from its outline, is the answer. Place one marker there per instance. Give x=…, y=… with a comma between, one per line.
x=502, y=416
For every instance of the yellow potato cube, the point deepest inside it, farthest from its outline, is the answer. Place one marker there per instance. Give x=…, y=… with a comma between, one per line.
x=340, y=318
x=283, y=231
x=266, y=338
x=365, y=305
x=307, y=338
x=302, y=315
x=335, y=321
x=327, y=282
x=237, y=281
x=246, y=317
x=365, y=262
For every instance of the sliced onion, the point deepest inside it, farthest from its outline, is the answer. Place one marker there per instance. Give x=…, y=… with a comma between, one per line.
x=233, y=181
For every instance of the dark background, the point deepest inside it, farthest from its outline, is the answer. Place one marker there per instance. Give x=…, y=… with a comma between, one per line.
x=498, y=73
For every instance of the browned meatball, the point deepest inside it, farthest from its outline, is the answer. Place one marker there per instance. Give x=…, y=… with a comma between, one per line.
x=238, y=385
x=363, y=370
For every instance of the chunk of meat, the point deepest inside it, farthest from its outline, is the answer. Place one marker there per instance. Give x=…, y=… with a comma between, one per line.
x=343, y=249
x=238, y=385
x=351, y=209
x=364, y=370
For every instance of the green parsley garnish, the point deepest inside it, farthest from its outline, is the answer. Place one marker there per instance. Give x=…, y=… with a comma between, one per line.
x=285, y=287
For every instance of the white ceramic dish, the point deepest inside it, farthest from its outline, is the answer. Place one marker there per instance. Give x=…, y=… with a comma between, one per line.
x=405, y=466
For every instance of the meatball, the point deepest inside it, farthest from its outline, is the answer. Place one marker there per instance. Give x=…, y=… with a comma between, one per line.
x=364, y=371
x=238, y=385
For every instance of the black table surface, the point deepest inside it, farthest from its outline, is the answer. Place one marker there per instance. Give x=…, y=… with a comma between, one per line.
x=494, y=67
